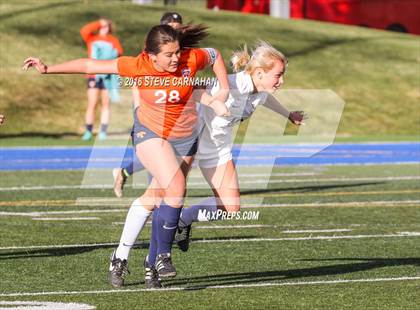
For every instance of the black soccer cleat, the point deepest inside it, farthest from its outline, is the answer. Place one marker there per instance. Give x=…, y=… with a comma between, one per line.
x=164, y=266
x=182, y=237
x=151, y=277
x=118, y=269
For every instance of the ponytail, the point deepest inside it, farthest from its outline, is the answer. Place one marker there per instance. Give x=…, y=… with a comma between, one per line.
x=263, y=56
x=190, y=35
x=240, y=59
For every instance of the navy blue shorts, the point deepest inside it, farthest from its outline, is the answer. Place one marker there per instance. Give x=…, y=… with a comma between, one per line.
x=93, y=83
x=183, y=146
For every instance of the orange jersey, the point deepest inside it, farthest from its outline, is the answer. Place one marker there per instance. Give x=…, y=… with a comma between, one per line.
x=90, y=36
x=165, y=105
x=97, y=45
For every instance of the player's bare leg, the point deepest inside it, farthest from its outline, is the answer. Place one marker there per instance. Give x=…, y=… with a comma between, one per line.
x=93, y=95
x=223, y=180
x=105, y=112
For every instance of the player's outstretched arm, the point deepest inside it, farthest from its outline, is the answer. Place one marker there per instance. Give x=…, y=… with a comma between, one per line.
x=296, y=117
x=83, y=65
x=220, y=71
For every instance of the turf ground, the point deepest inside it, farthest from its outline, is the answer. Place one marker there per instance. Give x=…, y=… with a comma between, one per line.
x=327, y=237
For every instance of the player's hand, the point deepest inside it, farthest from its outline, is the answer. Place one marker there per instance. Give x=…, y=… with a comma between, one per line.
x=35, y=63
x=219, y=107
x=222, y=95
x=298, y=117
x=2, y=118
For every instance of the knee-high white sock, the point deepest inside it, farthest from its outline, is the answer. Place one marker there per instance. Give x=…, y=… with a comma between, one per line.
x=198, y=212
x=134, y=223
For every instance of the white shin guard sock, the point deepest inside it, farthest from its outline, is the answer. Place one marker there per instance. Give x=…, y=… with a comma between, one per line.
x=134, y=223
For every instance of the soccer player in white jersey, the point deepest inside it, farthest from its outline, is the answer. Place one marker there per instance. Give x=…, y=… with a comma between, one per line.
x=262, y=75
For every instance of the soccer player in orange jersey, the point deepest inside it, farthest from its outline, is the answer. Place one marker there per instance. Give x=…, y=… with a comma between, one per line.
x=101, y=44
x=165, y=134
x=120, y=175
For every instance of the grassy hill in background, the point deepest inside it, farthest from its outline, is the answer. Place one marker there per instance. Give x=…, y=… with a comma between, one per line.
x=375, y=72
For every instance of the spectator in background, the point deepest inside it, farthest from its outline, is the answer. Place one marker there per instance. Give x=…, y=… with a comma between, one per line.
x=102, y=45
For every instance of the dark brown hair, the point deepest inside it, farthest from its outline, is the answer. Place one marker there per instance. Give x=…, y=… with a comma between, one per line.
x=188, y=36
x=159, y=35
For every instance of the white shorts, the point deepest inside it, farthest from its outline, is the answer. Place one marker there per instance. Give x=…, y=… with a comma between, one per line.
x=214, y=147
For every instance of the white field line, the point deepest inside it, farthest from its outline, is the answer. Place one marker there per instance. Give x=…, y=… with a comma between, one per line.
x=119, y=202
x=66, y=218
x=232, y=226
x=256, y=181
x=284, y=205
x=397, y=235
x=267, y=284
x=312, y=226
x=263, y=226
x=41, y=213
x=249, y=175
x=216, y=226
x=315, y=231
x=337, y=204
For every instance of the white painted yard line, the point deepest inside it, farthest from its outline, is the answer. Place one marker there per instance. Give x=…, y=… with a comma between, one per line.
x=256, y=181
x=331, y=180
x=267, y=284
x=247, y=175
x=110, y=202
x=40, y=213
x=412, y=234
x=231, y=226
x=315, y=231
x=63, y=246
x=284, y=205
x=398, y=235
x=337, y=204
x=215, y=226
x=66, y=218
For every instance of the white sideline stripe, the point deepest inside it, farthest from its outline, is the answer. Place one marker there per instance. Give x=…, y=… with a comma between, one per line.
x=298, y=174
x=43, y=305
x=267, y=284
x=397, y=235
x=257, y=181
x=315, y=231
x=65, y=218
x=40, y=213
x=411, y=234
x=337, y=204
x=326, y=204
x=263, y=226
x=231, y=226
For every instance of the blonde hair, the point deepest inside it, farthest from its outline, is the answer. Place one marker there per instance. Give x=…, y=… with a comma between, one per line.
x=263, y=56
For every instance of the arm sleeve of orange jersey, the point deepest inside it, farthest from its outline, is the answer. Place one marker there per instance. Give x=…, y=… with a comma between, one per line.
x=88, y=30
x=205, y=57
x=128, y=66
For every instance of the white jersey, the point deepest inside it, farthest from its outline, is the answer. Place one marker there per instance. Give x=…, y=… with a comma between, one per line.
x=215, y=143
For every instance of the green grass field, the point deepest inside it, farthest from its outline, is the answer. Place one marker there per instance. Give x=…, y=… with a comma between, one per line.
x=375, y=72
x=327, y=237
x=319, y=243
